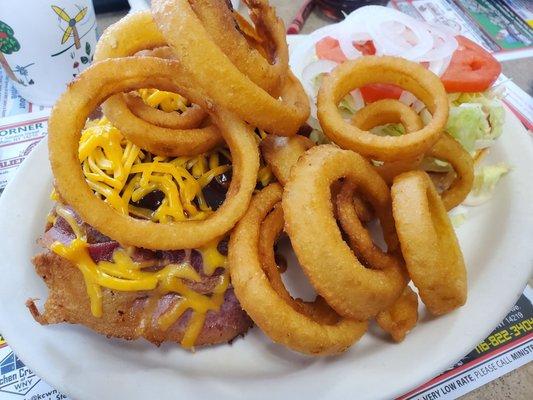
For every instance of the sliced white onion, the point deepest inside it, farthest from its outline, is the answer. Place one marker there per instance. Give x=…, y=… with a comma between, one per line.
x=357, y=99
x=418, y=106
x=392, y=44
x=312, y=71
x=426, y=116
x=313, y=109
x=443, y=46
x=348, y=49
x=440, y=66
x=407, y=98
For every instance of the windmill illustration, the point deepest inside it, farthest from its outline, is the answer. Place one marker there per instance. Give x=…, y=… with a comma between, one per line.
x=71, y=29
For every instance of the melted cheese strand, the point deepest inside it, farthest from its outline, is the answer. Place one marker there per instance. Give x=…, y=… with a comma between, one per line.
x=121, y=173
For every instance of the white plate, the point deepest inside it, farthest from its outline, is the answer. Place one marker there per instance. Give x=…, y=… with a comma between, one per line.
x=496, y=241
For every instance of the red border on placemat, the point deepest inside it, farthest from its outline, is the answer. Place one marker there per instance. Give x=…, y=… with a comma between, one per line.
x=472, y=363
x=31, y=121
x=521, y=117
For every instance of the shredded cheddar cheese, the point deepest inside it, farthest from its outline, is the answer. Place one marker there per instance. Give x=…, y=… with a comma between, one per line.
x=124, y=274
x=122, y=174
x=165, y=101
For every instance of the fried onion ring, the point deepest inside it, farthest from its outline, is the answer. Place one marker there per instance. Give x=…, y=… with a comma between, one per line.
x=131, y=34
x=68, y=117
x=389, y=111
x=448, y=149
x=157, y=139
x=401, y=317
x=428, y=242
x=359, y=237
x=271, y=228
x=373, y=69
x=190, y=118
x=257, y=296
x=222, y=80
x=281, y=153
x=353, y=290
x=219, y=22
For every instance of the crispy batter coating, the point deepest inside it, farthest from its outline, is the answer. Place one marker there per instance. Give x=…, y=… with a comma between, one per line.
x=127, y=315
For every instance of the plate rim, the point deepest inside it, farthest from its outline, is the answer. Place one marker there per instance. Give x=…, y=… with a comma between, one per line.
x=59, y=384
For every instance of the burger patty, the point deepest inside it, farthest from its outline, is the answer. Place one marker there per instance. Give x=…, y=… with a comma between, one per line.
x=128, y=315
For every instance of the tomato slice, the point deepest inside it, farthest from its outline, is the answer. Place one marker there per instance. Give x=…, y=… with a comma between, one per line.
x=328, y=49
x=379, y=91
x=472, y=68
x=367, y=48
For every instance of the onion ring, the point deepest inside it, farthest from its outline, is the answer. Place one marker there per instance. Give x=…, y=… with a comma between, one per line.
x=156, y=139
x=219, y=22
x=131, y=34
x=448, y=149
x=389, y=111
x=373, y=69
x=257, y=296
x=363, y=210
x=349, y=288
x=281, y=153
x=223, y=82
x=428, y=242
x=401, y=317
x=190, y=118
x=249, y=32
x=359, y=237
x=68, y=117
x=271, y=228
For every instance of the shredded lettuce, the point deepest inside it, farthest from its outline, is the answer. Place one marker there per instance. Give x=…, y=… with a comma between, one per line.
x=485, y=180
x=389, y=130
x=458, y=219
x=318, y=137
x=348, y=104
x=475, y=117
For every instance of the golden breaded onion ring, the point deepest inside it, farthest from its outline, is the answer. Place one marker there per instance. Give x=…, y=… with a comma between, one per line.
x=168, y=142
x=221, y=25
x=68, y=118
x=359, y=237
x=190, y=118
x=388, y=111
x=410, y=76
x=222, y=80
x=281, y=153
x=258, y=298
x=130, y=35
x=428, y=242
x=271, y=229
x=450, y=150
x=398, y=320
x=350, y=288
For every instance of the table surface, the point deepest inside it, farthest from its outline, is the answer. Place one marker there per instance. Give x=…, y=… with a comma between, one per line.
x=517, y=384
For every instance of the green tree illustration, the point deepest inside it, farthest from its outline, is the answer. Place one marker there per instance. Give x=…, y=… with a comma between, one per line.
x=8, y=45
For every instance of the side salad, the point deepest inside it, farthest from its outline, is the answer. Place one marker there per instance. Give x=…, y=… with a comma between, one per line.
x=467, y=71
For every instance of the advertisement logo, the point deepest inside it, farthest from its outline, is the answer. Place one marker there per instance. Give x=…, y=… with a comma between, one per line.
x=15, y=377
